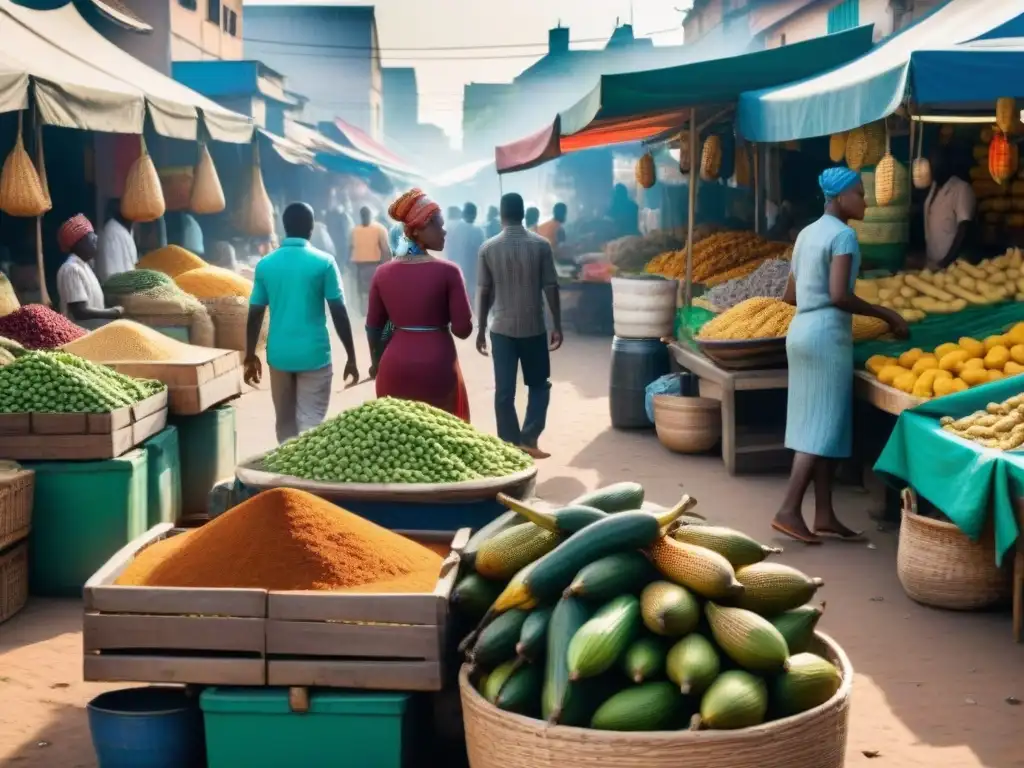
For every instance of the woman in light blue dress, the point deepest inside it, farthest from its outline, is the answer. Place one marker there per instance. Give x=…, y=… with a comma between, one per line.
x=819, y=346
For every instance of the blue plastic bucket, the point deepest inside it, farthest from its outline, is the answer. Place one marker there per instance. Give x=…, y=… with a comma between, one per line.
x=151, y=727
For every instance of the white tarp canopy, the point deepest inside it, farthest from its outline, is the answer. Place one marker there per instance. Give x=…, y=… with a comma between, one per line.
x=103, y=88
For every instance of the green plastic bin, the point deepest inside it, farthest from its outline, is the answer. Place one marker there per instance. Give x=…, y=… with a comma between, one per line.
x=207, y=445
x=83, y=512
x=256, y=728
x=163, y=477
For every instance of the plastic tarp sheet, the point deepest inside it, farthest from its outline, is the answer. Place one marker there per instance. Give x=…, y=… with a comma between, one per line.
x=868, y=88
x=969, y=77
x=381, y=156
x=330, y=154
x=289, y=151
x=966, y=481
x=640, y=105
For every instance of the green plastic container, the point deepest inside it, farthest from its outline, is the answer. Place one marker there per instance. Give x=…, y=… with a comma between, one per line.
x=176, y=332
x=254, y=727
x=84, y=511
x=207, y=446
x=164, y=477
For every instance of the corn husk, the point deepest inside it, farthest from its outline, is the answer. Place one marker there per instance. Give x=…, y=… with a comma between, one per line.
x=207, y=193
x=1007, y=114
x=837, y=146
x=711, y=158
x=143, y=198
x=644, y=171
x=21, y=192
x=257, y=213
x=1002, y=158
x=885, y=180
x=922, y=173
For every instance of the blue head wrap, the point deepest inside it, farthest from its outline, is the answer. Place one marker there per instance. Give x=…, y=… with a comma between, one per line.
x=835, y=181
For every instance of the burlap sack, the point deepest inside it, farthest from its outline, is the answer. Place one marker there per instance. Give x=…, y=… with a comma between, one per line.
x=230, y=316
x=157, y=313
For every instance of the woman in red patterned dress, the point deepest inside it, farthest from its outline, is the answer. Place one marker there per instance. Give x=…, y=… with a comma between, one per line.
x=425, y=300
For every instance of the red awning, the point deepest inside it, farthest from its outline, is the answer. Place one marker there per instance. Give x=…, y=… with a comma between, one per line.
x=364, y=143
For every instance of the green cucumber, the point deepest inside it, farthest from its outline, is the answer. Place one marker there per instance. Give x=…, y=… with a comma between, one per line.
x=797, y=626
x=564, y=521
x=583, y=697
x=534, y=634
x=603, y=640
x=498, y=524
x=644, y=660
x=473, y=595
x=624, y=573
x=497, y=642
x=491, y=684
x=521, y=692
x=568, y=616
x=620, y=497
x=693, y=664
x=507, y=552
x=647, y=707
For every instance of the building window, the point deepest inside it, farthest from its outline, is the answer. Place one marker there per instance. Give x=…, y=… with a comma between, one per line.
x=189, y=4
x=232, y=25
x=213, y=11
x=844, y=16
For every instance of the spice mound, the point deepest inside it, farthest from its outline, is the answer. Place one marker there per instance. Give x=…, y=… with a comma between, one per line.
x=214, y=283
x=126, y=340
x=37, y=327
x=171, y=260
x=285, y=539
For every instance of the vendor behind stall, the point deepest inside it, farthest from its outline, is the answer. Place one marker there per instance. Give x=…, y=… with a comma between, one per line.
x=948, y=211
x=116, y=251
x=81, y=297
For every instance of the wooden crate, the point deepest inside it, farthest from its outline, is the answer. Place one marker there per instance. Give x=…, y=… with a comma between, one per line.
x=196, y=386
x=369, y=641
x=171, y=635
x=883, y=397
x=62, y=436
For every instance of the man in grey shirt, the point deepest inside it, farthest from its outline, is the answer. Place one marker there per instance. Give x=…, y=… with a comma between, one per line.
x=516, y=271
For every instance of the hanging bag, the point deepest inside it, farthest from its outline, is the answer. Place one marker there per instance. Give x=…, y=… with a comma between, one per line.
x=143, y=198
x=207, y=192
x=922, y=168
x=257, y=214
x=21, y=192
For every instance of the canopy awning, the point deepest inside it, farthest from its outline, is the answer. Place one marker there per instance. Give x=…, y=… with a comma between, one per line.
x=639, y=105
x=968, y=77
x=103, y=88
x=872, y=86
x=381, y=156
x=290, y=151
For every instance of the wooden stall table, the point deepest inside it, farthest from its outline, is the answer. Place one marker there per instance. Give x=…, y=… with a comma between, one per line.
x=885, y=398
x=722, y=385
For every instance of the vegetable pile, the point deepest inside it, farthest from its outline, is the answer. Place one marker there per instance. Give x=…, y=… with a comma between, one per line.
x=603, y=615
x=126, y=340
x=58, y=382
x=768, y=279
x=952, y=367
x=37, y=327
x=395, y=441
x=136, y=281
x=213, y=283
x=1000, y=425
x=720, y=257
x=768, y=318
x=171, y=260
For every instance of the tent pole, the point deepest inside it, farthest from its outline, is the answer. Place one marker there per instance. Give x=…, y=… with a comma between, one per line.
x=758, y=196
x=692, y=207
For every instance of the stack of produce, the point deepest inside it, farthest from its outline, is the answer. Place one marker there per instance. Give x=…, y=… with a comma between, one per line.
x=58, y=382
x=918, y=294
x=1000, y=425
x=600, y=615
x=1000, y=201
x=136, y=281
x=631, y=253
x=128, y=341
x=719, y=257
x=37, y=327
x=171, y=260
x=285, y=539
x=768, y=279
x=952, y=367
x=213, y=283
x=395, y=441
x=8, y=300
x=768, y=318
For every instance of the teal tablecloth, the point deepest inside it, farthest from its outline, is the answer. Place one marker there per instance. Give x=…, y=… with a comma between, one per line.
x=963, y=479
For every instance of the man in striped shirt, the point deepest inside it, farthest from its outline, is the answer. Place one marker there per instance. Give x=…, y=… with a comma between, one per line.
x=516, y=272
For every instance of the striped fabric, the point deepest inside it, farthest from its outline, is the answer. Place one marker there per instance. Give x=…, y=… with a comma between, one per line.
x=516, y=266
x=77, y=282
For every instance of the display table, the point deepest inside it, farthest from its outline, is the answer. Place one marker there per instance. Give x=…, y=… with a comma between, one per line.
x=885, y=398
x=719, y=384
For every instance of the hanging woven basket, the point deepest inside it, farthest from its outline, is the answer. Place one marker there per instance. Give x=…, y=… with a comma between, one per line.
x=921, y=168
x=644, y=171
x=207, y=192
x=837, y=146
x=143, y=198
x=257, y=214
x=22, y=193
x=711, y=158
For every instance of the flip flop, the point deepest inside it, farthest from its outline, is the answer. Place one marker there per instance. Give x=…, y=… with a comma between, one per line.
x=793, y=534
x=857, y=537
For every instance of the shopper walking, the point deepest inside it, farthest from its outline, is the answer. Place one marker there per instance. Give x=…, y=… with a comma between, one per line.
x=516, y=272
x=370, y=249
x=462, y=245
x=295, y=282
x=819, y=345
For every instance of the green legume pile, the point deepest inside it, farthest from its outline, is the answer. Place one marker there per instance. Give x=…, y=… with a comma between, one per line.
x=58, y=382
x=136, y=280
x=395, y=441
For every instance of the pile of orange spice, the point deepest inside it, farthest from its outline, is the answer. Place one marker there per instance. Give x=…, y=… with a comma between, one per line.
x=285, y=539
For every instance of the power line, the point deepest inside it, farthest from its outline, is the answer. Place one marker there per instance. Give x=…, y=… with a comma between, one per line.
x=385, y=51
x=418, y=59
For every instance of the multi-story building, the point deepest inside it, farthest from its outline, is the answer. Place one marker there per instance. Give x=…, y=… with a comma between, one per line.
x=330, y=52
x=773, y=23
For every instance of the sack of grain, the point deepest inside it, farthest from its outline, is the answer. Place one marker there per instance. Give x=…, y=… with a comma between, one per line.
x=207, y=193
x=230, y=317
x=169, y=309
x=177, y=184
x=21, y=191
x=256, y=217
x=143, y=198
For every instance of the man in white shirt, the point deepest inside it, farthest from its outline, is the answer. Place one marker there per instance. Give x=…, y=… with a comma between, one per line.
x=463, y=246
x=948, y=213
x=117, y=252
x=81, y=297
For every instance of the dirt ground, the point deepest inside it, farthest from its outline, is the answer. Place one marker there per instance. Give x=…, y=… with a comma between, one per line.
x=932, y=688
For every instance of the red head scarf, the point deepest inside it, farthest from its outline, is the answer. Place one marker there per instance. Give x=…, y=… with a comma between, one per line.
x=72, y=231
x=414, y=209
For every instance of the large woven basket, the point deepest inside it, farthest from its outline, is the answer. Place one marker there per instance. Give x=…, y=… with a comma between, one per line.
x=938, y=565
x=812, y=739
x=13, y=580
x=746, y=354
x=16, y=490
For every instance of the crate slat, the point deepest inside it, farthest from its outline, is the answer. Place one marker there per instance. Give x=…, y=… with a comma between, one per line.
x=321, y=638
x=115, y=668
x=102, y=632
x=366, y=675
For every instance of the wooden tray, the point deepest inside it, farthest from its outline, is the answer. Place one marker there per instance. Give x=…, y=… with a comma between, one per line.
x=746, y=354
x=193, y=387
x=883, y=397
x=256, y=637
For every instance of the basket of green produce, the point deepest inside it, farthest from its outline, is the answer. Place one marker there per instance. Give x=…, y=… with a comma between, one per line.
x=644, y=639
x=394, y=450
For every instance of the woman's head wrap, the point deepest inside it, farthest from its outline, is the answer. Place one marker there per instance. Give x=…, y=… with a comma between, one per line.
x=414, y=209
x=834, y=181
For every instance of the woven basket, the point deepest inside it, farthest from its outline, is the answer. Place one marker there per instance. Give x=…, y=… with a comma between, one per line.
x=158, y=313
x=812, y=739
x=16, y=490
x=881, y=233
x=13, y=580
x=256, y=217
x=687, y=424
x=837, y=146
x=177, y=184
x=938, y=565
x=711, y=158
x=143, y=198
x=21, y=190
x=230, y=317
x=207, y=193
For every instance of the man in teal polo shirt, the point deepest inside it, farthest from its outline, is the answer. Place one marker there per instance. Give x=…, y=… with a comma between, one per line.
x=295, y=282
